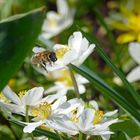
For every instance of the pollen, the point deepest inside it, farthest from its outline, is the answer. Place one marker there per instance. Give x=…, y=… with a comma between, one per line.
x=66, y=81
x=21, y=94
x=43, y=111
x=98, y=117
x=3, y=98
x=52, y=22
x=61, y=52
x=74, y=117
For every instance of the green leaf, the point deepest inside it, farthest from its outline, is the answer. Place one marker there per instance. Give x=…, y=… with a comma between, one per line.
x=41, y=132
x=100, y=51
x=126, y=126
x=108, y=91
x=17, y=36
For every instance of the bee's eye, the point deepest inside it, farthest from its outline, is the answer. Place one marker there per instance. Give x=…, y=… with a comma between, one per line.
x=53, y=57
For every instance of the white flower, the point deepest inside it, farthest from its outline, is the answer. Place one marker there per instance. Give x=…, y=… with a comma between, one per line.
x=17, y=104
x=88, y=121
x=62, y=84
x=57, y=21
x=75, y=52
x=134, y=50
x=50, y=111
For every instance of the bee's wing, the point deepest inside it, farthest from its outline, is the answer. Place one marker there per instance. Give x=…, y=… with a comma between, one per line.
x=38, y=49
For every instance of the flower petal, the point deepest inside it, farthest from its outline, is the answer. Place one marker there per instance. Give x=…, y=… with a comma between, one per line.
x=125, y=38
x=134, y=75
x=86, y=119
x=111, y=113
x=62, y=7
x=9, y=94
x=134, y=49
x=38, y=49
x=75, y=41
x=83, y=57
x=33, y=96
x=31, y=126
x=59, y=102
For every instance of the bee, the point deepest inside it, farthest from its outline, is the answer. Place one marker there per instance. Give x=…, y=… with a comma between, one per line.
x=42, y=57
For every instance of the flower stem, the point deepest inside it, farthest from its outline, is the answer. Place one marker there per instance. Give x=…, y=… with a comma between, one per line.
x=74, y=81
x=27, y=120
x=80, y=136
x=58, y=134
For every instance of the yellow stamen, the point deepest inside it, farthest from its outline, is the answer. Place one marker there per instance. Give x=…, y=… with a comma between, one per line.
x=74, y=118
x=3, y=98
x=43, y=111
x=52, y=22
x=61, y=51
x=21, y=94
x=66, y=81
x=98, y=117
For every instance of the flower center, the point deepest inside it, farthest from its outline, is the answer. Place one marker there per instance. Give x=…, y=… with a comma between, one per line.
x=43, y=111
x=21, y=94
x=52, y=22
x=61, y=51
x=3, y=98
x=98, y=117
x=74, y=118
x=66, y=81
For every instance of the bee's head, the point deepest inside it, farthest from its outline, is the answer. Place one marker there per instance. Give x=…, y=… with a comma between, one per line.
x=52, y=56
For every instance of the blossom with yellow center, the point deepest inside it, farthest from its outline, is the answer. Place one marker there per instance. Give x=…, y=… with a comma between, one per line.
x=75, y=52
x=132, y=30
x=18, y=102
x=56, y=22
x=63, y=82
x=43, y=111
x=127, y=21
x=60, y=52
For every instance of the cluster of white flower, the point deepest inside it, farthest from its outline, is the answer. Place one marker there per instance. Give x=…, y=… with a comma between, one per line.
x=57, y=113
x=54, y=111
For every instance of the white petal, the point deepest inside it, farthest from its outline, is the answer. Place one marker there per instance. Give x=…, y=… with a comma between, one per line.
x=38, y=49
x=111, y=113
x=75, y=41
x=84, y=46
x=59, y=102
x=83, y=57
x=69, y=57
x=64, y=126
x=86, y=119
x=31, y=126
x=52, y=89
x=82, y=89
x=134, y=49
x=51, y=98
x=105, y=137
x=58, y=46
x=105, y=125
x=9, y=94
x=33, y=96
x=80, y=79
x=62, y=7
x=94, y=105
x=134, y=75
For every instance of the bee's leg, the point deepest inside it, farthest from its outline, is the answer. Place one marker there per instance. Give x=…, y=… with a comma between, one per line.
x=43, y=65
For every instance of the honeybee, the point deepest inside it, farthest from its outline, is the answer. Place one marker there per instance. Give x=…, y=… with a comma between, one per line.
x=42, y=57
